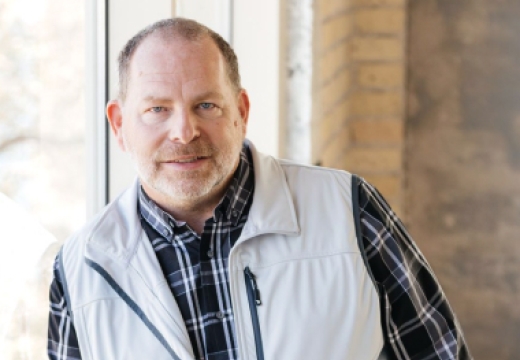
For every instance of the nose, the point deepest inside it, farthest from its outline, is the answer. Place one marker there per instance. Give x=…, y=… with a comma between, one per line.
x=184, y=128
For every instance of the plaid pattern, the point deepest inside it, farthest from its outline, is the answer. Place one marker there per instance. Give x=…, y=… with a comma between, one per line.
x=417, y=320
x=62, y=343
x=196, y=268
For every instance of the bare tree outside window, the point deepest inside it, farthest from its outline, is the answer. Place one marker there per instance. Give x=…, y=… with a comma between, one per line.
x=42, y=159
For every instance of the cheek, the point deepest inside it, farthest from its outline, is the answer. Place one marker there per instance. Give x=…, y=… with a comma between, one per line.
x=233, y=132
x=142, y=139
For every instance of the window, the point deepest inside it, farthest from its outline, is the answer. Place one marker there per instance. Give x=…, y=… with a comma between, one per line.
x=42, y=159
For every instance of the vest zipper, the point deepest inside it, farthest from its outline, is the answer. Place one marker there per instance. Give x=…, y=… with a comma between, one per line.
x=253, y=295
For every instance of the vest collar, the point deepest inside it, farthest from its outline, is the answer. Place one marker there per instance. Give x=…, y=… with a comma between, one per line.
x=118, y=230
x=273, y=210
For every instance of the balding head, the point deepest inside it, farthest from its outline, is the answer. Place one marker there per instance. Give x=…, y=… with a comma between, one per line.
x=176, y=28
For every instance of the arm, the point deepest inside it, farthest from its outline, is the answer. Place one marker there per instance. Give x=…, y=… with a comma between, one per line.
x=417, y=320
x=62, y=342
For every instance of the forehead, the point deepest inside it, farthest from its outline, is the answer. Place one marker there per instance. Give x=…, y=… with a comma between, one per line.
x=176, y=61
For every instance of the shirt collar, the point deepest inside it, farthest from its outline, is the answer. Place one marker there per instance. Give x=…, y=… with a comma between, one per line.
x=238, y=194
x=158, y=219
x=231, y=206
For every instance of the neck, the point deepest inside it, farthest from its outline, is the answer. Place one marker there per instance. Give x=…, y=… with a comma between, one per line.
x=194, y=217
x=194, y=212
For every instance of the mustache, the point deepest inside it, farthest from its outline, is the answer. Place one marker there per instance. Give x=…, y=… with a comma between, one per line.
x=173, y=151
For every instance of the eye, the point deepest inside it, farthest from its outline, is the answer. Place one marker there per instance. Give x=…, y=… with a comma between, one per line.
x=156, y=114
x=157, y=109
x=206, y=106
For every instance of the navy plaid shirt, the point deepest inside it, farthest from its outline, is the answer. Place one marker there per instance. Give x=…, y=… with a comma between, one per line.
x=196, y=267
x=417, y=320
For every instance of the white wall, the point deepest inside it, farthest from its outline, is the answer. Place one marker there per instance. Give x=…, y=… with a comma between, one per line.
x=257, y=37
x=215, y=14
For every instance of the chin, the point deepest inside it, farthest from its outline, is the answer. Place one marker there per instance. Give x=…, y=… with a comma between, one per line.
x=190, y=187
x=183, y=190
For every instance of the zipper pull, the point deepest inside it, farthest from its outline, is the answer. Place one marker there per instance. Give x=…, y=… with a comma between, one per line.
x=252, y=279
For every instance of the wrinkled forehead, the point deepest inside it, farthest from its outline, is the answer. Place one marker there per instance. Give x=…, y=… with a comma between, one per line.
x=159, y=56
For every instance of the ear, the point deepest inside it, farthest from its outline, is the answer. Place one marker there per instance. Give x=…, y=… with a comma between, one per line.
x=115, y=118
x=243, y=108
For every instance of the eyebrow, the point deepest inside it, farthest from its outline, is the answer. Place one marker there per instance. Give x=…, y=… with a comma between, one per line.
x=153, y=98
x=205, y=95
x=209, y=94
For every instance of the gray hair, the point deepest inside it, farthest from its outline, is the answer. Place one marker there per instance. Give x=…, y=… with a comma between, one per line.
x=185, y=29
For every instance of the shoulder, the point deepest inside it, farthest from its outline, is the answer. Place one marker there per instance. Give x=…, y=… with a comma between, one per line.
x=85, y=231
x=373, y=203
x=321, y=184
x=116, y=212
x=271, y=169
x=304, y=172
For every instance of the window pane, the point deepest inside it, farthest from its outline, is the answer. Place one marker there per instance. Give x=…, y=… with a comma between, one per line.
x=42, y=159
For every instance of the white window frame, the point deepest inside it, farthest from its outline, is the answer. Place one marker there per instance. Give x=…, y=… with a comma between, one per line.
x=95, y=100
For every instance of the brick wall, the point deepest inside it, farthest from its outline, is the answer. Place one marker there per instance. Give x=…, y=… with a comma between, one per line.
x=331, y=81
x=358, y=106
x=463, y=162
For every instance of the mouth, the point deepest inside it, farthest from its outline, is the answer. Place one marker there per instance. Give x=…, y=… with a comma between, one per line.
x=186, y=162
x=187, y=159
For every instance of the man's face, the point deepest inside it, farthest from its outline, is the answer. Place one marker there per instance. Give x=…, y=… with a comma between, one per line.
x=182, y=121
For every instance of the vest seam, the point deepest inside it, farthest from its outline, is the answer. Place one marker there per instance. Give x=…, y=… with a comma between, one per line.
x=357, y=221
x=96, y=300
x=303, y=258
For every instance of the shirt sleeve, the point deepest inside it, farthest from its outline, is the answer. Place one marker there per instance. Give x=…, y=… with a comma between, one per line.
x=417, y=320
x=62, y=342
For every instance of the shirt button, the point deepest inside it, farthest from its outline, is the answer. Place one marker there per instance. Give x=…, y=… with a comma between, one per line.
x=166, y=232
x=220, y=315
x=210, y=253
x=235, y=213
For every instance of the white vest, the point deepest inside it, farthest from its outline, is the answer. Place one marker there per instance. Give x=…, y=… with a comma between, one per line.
x=318, y=300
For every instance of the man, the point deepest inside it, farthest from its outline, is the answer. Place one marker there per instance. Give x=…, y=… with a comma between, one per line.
x=220, y=252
